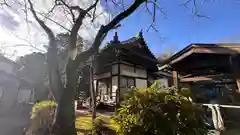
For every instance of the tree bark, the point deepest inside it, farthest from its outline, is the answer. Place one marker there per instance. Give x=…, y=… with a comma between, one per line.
x=55, y=81
x=66, y=108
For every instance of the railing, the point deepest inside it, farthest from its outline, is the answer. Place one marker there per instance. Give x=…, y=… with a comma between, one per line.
x=224, y=106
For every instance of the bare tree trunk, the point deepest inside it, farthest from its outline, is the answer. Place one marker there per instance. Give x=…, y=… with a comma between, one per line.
x=65, y=120
x=55, y=81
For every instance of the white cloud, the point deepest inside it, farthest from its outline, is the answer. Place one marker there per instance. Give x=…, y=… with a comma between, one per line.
x=15, y=30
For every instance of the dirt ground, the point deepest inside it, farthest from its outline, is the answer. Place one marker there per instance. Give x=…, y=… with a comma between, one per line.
x=233, y=131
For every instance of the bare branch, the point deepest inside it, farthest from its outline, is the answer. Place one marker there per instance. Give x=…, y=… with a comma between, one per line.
x=152, y=26
x=153, y=14
x=29, y=44
x=119, y=4
x=186, y=3
x=157, y=7
x=41, y=23
x=51, y=10
x=194, y=9
x=4, y=3
x=92, y=6
x=94, y=14
x=24, y=45
x=148, y=10
x=62, y=2
x=66, y=13
x=48, y=18
x=70, y=8
x=76, y=27
x=57, y=23
x=105, y=29
x=54, y=73
x=154, y=10
x=25, y=10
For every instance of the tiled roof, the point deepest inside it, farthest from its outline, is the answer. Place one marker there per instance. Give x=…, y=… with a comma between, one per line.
x=133, y=47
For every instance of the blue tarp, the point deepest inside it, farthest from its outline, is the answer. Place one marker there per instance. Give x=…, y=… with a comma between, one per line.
x=211, y=92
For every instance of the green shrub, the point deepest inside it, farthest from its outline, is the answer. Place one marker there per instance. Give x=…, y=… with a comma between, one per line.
x=101, y=127
x=40, y=105
x=155, y=111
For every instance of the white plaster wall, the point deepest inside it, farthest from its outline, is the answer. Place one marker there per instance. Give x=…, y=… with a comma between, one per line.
x=115, y=69
x=7, y=67
x=141, y=83
x=114, y=86
x=129, y=71
x=122, y=92
x=141, y=73
x=163, y=82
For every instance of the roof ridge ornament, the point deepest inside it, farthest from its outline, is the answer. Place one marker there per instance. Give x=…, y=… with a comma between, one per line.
x=115, y=38
x=140, y=34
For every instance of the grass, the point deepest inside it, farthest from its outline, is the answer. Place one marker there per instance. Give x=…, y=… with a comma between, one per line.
x=84, y=122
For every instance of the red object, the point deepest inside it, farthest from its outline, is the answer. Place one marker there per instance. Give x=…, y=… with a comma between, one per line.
x=79, y=105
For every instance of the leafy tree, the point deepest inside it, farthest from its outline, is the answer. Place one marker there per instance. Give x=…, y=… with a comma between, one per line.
x=155, y=111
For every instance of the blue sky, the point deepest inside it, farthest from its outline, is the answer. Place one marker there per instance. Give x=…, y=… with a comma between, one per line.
x=181, y=27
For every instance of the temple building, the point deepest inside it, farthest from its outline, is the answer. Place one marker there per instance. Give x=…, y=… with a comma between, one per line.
x=122, y=64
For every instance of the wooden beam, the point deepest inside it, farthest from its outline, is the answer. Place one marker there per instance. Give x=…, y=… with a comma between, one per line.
x=217, y=49
x=194, y=79
x=181, y=57
x=209, y=75
x=101, y=76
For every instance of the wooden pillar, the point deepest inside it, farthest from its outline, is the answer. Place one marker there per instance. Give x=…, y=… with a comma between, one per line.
x=110, y=81
x=176, y=81
x=118, y=93
x=190, y=86
x=234, y=62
